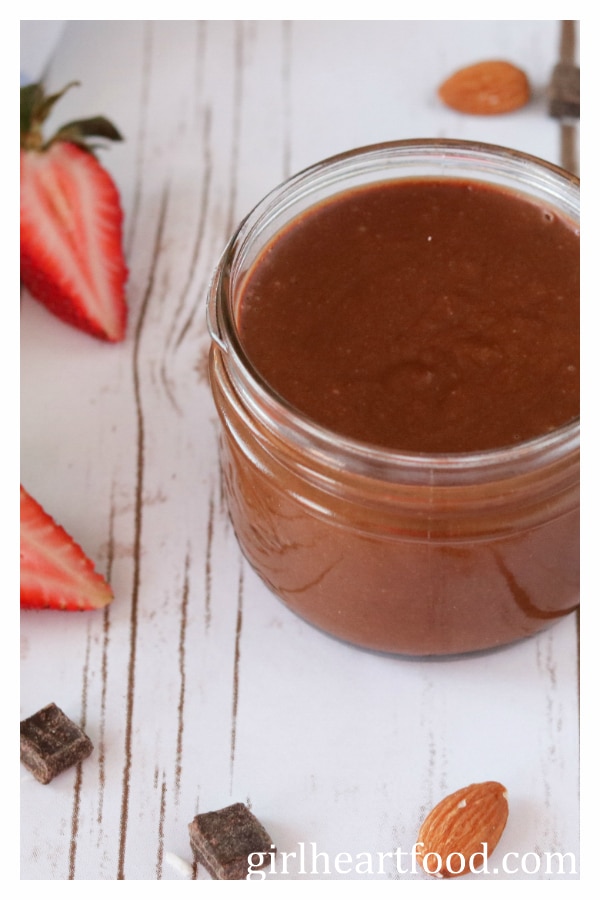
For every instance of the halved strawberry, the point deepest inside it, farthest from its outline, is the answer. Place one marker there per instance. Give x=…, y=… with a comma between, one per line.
x=55, y=572
x=71, y=221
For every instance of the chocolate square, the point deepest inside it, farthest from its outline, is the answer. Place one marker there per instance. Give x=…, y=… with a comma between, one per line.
x=223, y=840
x=51, y=742
x=564, y=92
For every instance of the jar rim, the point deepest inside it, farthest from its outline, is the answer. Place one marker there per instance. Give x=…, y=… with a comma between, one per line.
x=319, y=442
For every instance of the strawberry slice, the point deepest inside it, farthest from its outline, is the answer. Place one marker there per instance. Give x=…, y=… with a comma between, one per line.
x=72, y=259
x=55, y=572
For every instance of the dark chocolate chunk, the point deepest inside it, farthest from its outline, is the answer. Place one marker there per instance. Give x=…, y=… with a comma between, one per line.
x=223, y=840
x=51, y=742
x=564, y=92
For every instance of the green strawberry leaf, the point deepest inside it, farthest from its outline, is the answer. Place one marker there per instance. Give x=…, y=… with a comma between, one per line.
x=35, y=108
x=97, y=126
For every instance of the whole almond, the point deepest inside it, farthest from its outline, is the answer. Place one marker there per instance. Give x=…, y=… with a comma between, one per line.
x=486, y=88
x=462, y=830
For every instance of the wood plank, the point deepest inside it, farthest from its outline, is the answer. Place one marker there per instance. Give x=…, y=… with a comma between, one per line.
x=197, y=686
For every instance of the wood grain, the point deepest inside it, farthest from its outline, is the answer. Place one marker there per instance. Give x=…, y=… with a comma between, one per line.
x=197, y=687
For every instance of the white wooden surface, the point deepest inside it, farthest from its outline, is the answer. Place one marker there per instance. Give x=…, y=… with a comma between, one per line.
x=197, y=686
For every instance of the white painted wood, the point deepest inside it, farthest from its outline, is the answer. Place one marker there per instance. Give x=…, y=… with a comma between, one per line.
x=197, y=686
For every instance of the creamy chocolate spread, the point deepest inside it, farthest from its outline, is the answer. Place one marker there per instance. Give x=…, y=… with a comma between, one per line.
x=425, y=316
x=421, y=315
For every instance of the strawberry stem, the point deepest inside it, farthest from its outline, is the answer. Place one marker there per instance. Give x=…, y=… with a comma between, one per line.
x=36, y=106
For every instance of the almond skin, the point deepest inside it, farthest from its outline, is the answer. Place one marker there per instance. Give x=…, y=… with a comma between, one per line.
x=461, y=824
x=486, y=89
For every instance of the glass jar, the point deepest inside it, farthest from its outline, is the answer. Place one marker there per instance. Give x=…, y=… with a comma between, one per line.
x=408, y=553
